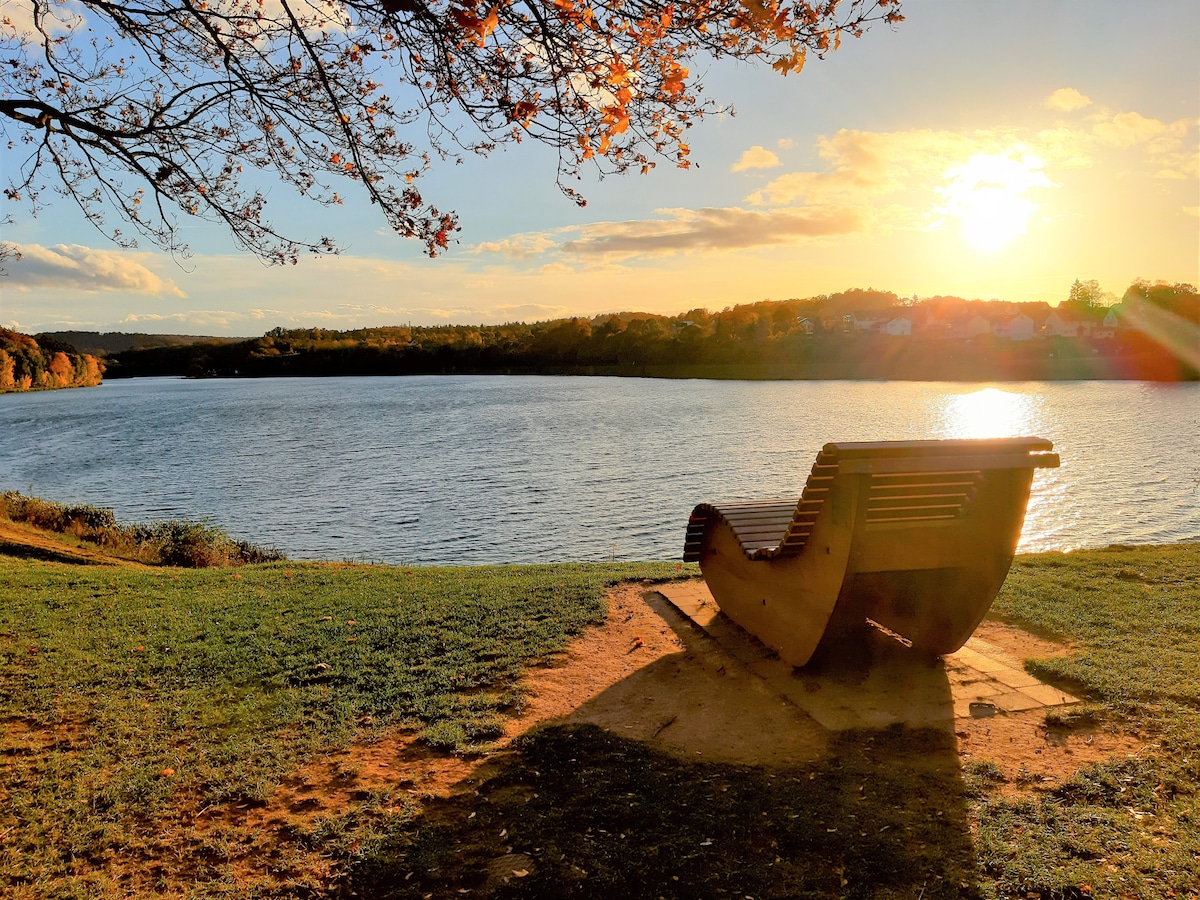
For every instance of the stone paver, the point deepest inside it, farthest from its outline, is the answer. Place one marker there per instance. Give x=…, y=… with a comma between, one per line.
x=888, y=684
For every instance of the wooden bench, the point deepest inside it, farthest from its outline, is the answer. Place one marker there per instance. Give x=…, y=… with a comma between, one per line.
x=916, y=536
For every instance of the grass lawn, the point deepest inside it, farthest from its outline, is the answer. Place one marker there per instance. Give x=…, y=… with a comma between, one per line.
x=137, y=704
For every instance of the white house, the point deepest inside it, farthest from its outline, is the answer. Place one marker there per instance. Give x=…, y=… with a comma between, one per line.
x=898, y=325
x=1019, y=328
x=1061, y=323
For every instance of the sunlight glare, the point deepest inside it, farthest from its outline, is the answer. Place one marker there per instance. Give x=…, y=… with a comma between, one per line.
x=987, y=195
x=988, y=413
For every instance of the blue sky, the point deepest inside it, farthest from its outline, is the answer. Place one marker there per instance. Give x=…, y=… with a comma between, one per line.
x=986, y=149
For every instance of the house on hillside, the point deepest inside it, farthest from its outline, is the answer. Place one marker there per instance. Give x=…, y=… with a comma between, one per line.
x=1106, y=328
x=1017, y=328
x=867, y=322
x=805, y=324
x=901, y=325
x=1063, y=323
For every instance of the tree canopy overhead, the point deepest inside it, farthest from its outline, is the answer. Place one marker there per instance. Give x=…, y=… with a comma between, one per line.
x=146, y=112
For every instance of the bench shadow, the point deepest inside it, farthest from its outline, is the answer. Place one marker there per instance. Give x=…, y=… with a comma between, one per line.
x=774, y=804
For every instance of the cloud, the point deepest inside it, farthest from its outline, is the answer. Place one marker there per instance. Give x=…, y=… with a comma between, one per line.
x=1193, y=211
x=755, y=158
x=193, y=318
x=1128, y=129
x=57, y=19
x=517, y=246
x=1067, y=100
x=863, y=166
x=866, y=164
x=785, y=143
x=79, y=268
x=691, y=230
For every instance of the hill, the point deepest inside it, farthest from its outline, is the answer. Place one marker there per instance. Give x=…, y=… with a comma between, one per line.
x=106, y=343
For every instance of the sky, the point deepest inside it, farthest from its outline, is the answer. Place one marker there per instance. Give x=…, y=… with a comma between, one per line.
x=993, y=149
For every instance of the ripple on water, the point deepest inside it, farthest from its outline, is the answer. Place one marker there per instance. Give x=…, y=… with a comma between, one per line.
x=479, y=470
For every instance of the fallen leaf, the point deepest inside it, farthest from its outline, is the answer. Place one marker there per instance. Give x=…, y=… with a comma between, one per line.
x=167, y=773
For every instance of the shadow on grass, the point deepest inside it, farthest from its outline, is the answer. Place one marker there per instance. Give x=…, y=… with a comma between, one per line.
x=575, y=811
x=42, y=554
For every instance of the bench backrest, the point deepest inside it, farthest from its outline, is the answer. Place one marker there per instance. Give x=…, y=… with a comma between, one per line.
x=907, y=482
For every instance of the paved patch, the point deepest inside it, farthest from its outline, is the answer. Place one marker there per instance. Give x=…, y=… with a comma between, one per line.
x=880, y=682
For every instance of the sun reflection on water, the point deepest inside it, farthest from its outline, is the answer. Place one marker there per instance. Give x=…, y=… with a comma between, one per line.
x=992, y=412
x=989, y=413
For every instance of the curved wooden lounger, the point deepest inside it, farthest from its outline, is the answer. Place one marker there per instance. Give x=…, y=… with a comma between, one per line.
x=916, y=535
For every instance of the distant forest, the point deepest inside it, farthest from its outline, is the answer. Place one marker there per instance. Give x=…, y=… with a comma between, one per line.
x=857, y=334
x=44, y=363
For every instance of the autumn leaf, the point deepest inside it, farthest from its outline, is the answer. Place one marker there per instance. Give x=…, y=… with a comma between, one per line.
x=524, y=111
x=617, y=118
x=672, y=82
x=786, y=64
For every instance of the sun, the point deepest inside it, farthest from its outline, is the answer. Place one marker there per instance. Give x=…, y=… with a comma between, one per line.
x=987, y=195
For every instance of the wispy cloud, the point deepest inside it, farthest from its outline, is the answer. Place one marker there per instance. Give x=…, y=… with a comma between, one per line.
x=691, y=230
x=197, y=318
x=518, y=246
x=79, y=268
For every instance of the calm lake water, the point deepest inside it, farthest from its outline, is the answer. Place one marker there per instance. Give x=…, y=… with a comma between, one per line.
x=468, y=470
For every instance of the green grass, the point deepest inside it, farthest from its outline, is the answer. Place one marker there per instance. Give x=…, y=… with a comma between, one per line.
x=1126, y=828
x=233, y=678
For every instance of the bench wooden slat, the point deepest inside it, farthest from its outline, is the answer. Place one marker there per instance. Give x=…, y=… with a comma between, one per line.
x=957, y=447
x=949, y=465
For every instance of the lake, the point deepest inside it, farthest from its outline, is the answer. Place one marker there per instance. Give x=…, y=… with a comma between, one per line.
x=492, y=469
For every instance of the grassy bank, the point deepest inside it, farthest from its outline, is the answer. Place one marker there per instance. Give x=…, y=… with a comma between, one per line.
x=170, y=543
x=148, y=713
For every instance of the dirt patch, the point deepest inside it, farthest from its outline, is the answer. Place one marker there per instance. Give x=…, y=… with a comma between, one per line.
x=1032, y=756
x=650, y=676
x=1020, y=643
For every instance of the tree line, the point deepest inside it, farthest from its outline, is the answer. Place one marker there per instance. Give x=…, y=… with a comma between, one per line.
x=44, y=363
x=797, y=338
